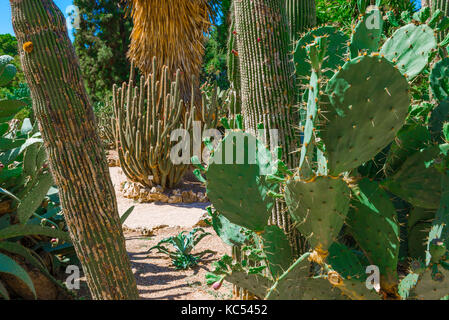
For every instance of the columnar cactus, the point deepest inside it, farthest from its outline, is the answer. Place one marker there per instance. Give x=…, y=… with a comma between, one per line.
x=265, y=69
x=439, y=5
x=145, y=117
x=301, y=16
x=77, y=159
x=267, y=83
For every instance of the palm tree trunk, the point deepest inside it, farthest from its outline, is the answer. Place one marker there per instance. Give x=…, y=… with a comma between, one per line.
x=76, y=156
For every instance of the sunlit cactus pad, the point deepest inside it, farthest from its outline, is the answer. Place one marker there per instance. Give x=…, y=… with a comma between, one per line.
x=370, y=101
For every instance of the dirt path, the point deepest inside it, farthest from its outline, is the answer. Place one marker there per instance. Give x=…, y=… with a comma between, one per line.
x=156, y=277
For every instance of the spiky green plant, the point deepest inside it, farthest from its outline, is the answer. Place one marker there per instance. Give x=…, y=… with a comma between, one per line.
x=183, y=245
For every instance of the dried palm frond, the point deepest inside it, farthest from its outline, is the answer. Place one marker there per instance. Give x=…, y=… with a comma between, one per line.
x=173, y=31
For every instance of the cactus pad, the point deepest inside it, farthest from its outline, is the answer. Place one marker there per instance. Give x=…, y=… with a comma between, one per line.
x=356, y=290
x=439, y=79
x=407, y=284
x=439, y=116
x=319, y=208
x=277, y=250
x=410, y=139
x=431, y=287
x=7, y=70
x=409, y=48
x=345, y=262
x=336, y=46
x=416, y=181
x=238, y=189
x=288, y=286
x=231, y=234
x=254, y=283
x=367, y=34
x=374, y=226
x=312, y=108
x=370, y=102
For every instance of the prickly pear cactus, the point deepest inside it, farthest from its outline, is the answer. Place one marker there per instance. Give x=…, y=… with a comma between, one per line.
x=438, y=79
x=236, y=180
x=319, y=208
x=416, y=181
x=373, y=224
x=7, y=70
x=410, y=48
x=337, y=46
x=370, y=102
x=367, y=34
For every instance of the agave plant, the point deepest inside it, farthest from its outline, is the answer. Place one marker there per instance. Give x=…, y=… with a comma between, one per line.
x=29, y=206
x=183, y=245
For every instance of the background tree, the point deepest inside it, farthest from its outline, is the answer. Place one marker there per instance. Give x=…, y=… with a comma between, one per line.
x=101, y=42
x=214, y=63
x=77, y=159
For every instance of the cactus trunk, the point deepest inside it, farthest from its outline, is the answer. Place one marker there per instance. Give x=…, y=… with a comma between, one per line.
x=301, y=15
x=443, y=6
x=265, y=68
x=267, y=78
x=77, y=159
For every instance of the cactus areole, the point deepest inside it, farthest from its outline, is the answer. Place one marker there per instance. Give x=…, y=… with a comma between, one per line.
x=77, y=159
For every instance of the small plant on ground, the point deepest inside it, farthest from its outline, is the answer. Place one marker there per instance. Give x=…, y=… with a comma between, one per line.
x=183, y=245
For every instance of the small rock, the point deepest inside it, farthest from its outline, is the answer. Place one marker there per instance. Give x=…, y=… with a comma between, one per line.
x=175, y=199
x=189, y=197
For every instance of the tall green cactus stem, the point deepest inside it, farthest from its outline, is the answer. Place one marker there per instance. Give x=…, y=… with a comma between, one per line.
x=267, y=81
x=301, y=16
x=233, y=64
x=443, y=6
x=77, y=159
x=146, y=115
x=266, y=70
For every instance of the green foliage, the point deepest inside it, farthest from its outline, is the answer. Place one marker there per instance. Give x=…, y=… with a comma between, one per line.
x=339, y=11
x=101, y=43
x=183, y=246
x=8, y=45
x=31, y=220
x=215, y=61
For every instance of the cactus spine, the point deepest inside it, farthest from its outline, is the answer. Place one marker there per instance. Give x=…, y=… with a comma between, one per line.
x=146, y=115
x=76, y=157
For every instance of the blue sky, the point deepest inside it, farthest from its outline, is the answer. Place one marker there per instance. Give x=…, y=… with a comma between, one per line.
x=5, y=14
